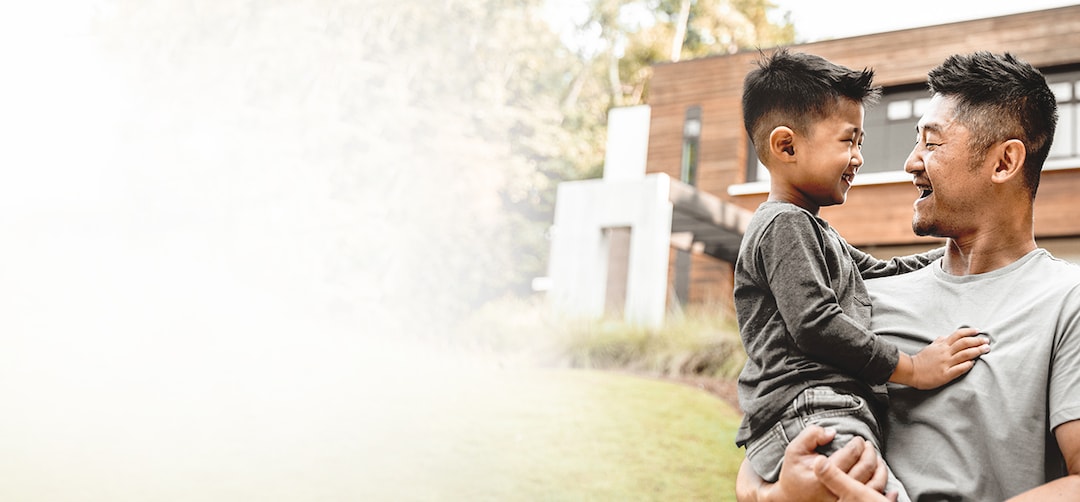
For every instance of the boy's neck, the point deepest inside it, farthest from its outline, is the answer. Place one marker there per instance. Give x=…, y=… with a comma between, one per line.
x=784, y=193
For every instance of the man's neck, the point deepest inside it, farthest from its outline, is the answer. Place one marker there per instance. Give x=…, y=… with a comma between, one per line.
x=978, y=256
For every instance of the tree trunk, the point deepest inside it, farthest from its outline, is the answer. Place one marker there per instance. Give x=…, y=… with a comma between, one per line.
x=680, y=30
x=615, y=81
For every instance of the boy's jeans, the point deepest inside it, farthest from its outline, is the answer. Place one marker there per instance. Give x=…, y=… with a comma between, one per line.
x=826, y=407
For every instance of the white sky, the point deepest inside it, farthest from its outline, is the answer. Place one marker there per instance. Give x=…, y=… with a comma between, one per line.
x=817, y=20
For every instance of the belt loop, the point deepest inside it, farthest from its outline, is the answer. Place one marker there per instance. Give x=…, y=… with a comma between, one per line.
x=799, y=415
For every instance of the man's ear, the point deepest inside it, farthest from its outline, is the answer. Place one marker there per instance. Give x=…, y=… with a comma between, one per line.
x=1009, y=160
x=782, y=144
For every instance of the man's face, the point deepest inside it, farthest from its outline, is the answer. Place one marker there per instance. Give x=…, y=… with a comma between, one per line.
x=945, y=173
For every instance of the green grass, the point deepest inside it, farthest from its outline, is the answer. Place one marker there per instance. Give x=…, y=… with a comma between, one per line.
x=555, y=435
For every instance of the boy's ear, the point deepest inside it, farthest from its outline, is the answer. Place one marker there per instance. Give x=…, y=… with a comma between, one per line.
x=782, y=144
x=1009, y=160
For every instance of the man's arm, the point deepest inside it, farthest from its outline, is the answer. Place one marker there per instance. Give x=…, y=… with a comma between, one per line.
x=798, y=478
x=1068, y=487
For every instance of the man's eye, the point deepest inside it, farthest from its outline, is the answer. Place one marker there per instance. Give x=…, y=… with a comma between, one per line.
x=928, y=144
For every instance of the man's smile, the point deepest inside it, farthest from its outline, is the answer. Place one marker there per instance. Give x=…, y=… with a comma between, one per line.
x=925, y=190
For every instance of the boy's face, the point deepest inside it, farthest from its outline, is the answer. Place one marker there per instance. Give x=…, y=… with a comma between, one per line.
x=830, y=155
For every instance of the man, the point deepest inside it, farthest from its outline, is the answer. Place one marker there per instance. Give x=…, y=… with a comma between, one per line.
x=1011, y=426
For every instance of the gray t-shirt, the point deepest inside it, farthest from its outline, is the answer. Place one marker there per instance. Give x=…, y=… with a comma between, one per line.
x=987, y=435
x=804, y=314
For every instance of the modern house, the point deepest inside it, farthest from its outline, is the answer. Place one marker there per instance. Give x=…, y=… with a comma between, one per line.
x=696, y=135
x=702, y=180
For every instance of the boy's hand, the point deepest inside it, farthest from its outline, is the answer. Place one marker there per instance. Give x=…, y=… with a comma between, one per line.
x=945, y=359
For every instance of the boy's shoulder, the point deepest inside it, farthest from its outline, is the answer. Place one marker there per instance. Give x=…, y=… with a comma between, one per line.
x=771, y=210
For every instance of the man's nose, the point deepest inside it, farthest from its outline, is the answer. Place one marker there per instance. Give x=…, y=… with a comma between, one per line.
x=913, y=162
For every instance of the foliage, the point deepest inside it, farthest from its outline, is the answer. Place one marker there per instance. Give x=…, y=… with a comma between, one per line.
x=388, y=154
x=699, y=342
x=637, y=34
x=687, y=348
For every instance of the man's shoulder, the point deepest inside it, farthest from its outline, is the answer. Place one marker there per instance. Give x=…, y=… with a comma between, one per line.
x=1057, y=269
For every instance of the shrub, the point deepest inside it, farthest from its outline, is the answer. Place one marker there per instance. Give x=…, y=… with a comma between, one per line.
x=699, y=341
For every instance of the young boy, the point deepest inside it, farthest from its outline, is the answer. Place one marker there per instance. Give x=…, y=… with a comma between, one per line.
x=802, y=307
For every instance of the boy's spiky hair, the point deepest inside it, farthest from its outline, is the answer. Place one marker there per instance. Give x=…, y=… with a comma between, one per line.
x=795, y=89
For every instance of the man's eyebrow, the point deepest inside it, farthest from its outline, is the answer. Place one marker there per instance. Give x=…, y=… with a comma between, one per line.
x=928, y=127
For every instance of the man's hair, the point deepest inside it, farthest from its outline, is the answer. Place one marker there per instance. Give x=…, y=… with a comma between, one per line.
x=796, y=89
x=999, y=97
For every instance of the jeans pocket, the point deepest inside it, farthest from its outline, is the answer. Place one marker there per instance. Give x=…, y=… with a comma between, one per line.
x=766, y=453
x=848, y=414
x=824, y=402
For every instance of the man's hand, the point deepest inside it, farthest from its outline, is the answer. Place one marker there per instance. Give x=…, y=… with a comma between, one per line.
x=848, y=488
x=942, y=361
x=798, y=478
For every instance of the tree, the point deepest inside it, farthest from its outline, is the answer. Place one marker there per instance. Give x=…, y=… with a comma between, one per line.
x=396, y=159
x=636, y=34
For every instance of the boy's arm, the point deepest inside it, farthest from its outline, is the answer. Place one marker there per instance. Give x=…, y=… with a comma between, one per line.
x=871, y=267
x=942, y=361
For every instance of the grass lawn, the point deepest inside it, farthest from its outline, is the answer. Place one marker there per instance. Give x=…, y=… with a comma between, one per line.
x=552, y=435
x=283, y=421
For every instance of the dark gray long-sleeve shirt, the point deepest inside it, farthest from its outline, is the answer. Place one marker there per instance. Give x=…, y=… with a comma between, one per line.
x=804, y=314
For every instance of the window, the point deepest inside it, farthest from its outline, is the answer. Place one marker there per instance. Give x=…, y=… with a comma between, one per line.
x=1066, y=87
x=890, y=129
x=691, y=149
x=890, y=125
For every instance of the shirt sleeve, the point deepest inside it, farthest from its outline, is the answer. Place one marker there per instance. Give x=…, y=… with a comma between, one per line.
x=1064, y=405
x=871, y=267
x=792, y=255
